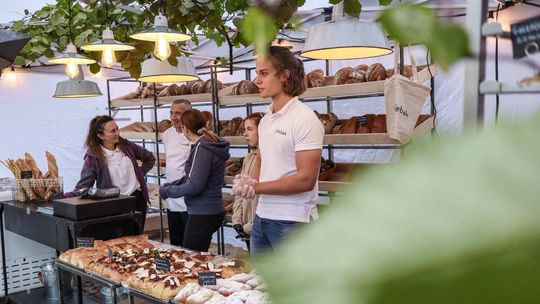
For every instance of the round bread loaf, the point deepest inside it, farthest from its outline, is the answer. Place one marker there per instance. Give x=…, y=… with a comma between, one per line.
x=315, y=78
x=164, y=125
x=342, y=75
x=376, y=72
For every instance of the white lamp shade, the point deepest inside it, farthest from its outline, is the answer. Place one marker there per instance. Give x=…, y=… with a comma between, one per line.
x=346, y=38
x=160, y=28
x=154, y=70
x=76, y=88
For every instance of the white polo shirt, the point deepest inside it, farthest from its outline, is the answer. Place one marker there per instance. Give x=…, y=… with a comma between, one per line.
x=294, y=128
x=177, y=148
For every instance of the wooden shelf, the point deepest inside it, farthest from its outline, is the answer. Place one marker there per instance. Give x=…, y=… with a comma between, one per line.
x=355, y=139
x=355, y=89
x=194, y=98
x=494, y=87
x=139, y=135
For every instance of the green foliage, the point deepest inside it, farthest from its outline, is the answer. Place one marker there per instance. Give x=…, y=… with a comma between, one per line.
x=412, y=24
x=456, y=221
x=221, y=21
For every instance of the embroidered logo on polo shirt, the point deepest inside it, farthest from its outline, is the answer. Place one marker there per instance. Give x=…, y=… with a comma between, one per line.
x=280, y=132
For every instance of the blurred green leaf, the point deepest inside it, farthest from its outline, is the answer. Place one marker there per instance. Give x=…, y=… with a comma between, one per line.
x=450, y=44
x=19, y=60
x=456, y=221
x=409, y=23
x=352, y=7
x=94, y=68
x=259, y=28
x=385, y=2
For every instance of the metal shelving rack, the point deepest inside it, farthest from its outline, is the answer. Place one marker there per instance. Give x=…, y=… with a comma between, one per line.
x=476, y=86
x=219, y=102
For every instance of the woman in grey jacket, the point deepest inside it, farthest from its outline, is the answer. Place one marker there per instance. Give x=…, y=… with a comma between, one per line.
x=202, y=185
x=111, y=162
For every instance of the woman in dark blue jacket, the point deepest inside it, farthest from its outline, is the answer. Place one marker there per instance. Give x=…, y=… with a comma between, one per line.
x=202, y=185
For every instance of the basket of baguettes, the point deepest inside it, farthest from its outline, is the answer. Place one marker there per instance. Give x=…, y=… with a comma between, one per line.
x=30, y=182
x=131, y=262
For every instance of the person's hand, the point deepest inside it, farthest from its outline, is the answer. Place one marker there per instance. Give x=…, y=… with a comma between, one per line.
x=240, y=230
x=244, y=185
x=162, y=193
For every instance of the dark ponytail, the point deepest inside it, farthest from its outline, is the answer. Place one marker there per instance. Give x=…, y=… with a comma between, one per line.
x=93, y=142
x=195, y=122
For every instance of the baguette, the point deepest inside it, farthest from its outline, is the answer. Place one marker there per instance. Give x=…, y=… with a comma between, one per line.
x=52, y=164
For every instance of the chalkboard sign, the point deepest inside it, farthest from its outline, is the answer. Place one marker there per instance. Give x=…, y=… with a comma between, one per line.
x=207, y=278
x=26, y=174
x=162, y=264
x=85, y=242
x=526, y=37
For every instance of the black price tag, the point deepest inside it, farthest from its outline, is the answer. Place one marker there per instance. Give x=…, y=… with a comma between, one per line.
x=526, y=37
x=207, y=278
x=85, y=242
x=26, y=174
x=361, y=120
x=111, y=254
x=162, y=264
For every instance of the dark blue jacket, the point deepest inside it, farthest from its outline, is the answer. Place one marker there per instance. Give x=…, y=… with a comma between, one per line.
x=202, y=185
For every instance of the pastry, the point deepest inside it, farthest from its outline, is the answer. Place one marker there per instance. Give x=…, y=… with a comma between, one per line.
x=197, y=87
x=208, y=86
x=379, y=124
x=376, y=72
x=164, y=125
x=342, y=75
x=52, y=165
x=328, y=121
x=245, y=87
x=315, y=78
x=36, y=173
x=350, y=126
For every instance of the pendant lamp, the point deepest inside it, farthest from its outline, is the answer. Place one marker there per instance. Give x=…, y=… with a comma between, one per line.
x=70, y=58
x=154, y=70
x=77, y=87
x=107, y=44
x=345, y=37
x=162, y=35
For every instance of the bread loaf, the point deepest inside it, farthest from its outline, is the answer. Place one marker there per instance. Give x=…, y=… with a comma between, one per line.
x=36, y=173
x=208, y=86
x=225, y=128
x=197, y=87
x=362, y=67
x=358, y=74
x=209, y=120
x=328, y=121
x=52, y=164
x=342, y=75
x=315, y=78
x=376, y=72
x=354, y=80
x=350, y=126
x=164, y=125
x=185, y=90
x=389, y=73
x=235, y=124
x=245, y=87
x=366, y=124
x=379, y=124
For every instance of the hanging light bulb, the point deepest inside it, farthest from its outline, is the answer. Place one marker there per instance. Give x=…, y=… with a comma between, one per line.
x=108, y=58
x=162, y=49
x=10, y=74
x=71, y=59
x=108, y=46
x=162, y=35
x=72, y=69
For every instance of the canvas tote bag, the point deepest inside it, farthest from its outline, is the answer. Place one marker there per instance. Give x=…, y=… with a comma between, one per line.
x=404, y=100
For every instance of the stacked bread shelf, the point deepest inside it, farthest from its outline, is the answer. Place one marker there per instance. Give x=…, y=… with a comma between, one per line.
x=331, y=93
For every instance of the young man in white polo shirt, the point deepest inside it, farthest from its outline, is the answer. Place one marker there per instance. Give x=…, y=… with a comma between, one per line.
x=290, y=145
x=177, y=149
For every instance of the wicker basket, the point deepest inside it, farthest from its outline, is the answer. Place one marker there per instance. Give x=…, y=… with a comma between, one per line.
x=27, y=190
